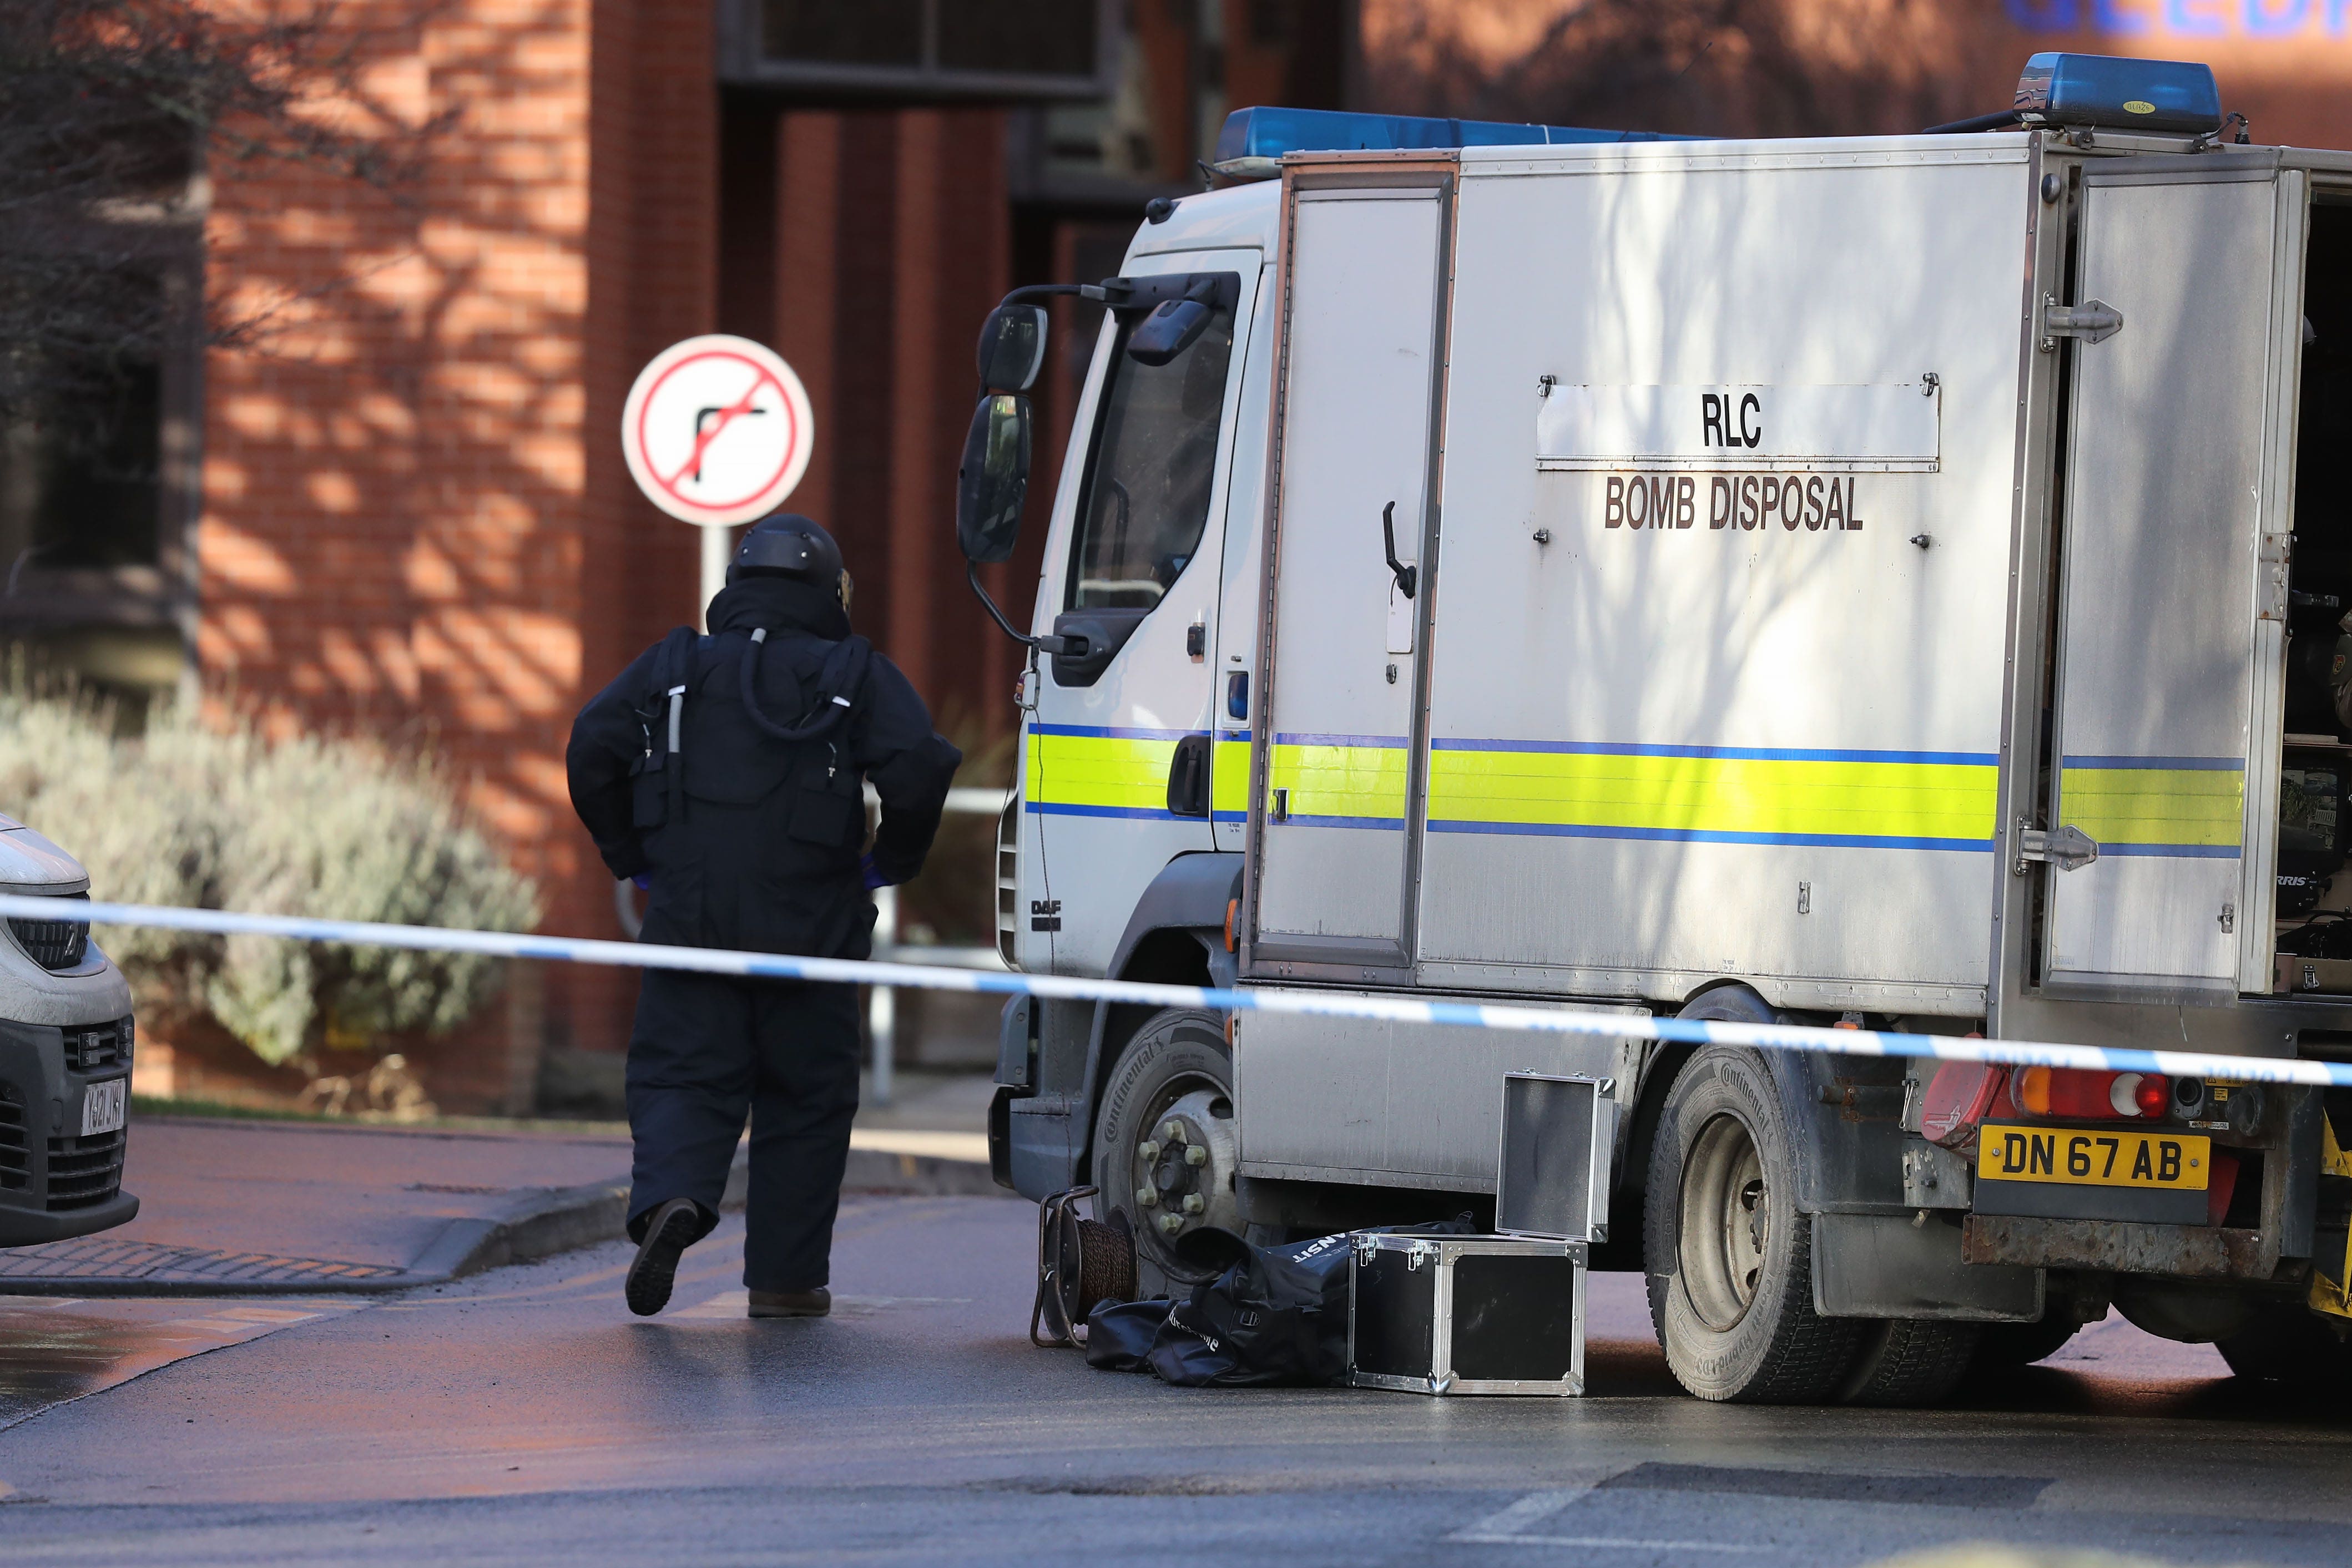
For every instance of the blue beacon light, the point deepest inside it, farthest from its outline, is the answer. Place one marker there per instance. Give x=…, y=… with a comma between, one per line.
x=1254, y=140
x=2119, y=94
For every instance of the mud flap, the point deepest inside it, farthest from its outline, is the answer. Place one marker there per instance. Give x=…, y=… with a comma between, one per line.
x=1898, y=1266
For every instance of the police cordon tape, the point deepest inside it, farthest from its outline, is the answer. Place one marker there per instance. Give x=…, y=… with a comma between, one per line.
x=1071, y=987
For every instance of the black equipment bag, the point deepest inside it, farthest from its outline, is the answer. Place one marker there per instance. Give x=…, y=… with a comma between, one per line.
x=1271, y=1316
x=1120, y=1334
x=1276, y=1314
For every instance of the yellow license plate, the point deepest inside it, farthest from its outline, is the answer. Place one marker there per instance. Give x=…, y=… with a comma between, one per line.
x=2080, y=1158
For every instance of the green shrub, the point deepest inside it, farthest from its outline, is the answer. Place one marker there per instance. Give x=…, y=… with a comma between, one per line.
x=224, y=819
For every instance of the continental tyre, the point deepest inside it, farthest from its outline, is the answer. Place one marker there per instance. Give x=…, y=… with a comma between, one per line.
x=1166, y=1146
x=1909, y=1362
x=1729, y=1257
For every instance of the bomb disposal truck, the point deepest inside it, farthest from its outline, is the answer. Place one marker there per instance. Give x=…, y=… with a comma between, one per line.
x=1887, y=580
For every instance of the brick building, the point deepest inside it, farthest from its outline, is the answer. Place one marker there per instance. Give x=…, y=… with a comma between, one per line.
x=411, y=514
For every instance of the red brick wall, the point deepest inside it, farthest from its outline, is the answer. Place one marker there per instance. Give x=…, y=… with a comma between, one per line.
x=414, y=523
x=416, y=518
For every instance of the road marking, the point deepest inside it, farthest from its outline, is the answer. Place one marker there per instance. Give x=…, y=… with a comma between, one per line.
x=1626, y=1542
x=1532, y=1509
x=1511, y=1526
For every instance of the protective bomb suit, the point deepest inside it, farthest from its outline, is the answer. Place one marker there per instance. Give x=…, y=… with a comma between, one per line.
x=725, y=771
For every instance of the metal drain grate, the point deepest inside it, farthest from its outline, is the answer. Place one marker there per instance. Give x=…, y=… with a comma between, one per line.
x=94, y=1259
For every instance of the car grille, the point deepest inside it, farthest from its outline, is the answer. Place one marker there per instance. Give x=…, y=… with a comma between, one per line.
x=1008, y=878
x=85, y=1170
x=15, y=1149
x=98, y=1047
x=54, y=944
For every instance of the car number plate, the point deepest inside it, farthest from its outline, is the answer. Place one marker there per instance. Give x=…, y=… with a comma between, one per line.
x=103, y=1106
x=2077, y=1157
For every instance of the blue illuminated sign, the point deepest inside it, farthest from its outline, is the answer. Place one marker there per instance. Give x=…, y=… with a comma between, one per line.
x=2186, y=18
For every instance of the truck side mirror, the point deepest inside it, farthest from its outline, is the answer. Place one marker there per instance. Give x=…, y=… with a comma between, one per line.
x=994, y=478
x=1011, y=347
x=1167, y=331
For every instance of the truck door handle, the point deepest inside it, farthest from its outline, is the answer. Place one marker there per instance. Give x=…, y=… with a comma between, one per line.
x=1406, y=576
x=1188, y=778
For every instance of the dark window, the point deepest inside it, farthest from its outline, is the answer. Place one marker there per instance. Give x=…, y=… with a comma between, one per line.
x=86, y=496
x=1034, y=38
x=1155, y=460
x=865, y=33
x=1020, y=49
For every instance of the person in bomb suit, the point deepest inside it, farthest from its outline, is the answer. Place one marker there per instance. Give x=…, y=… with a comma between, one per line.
x=724, y=772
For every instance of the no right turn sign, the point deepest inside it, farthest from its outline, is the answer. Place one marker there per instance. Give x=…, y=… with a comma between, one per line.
x=717, y=429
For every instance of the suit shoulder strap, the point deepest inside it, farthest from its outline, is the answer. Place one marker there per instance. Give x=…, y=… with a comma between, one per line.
x=672, y=660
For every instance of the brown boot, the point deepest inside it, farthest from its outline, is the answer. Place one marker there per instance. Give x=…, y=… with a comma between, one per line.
x=813, y=1303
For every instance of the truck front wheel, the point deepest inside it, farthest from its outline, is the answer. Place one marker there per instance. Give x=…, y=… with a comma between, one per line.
x=1729, y=1257
x=1166, y=1146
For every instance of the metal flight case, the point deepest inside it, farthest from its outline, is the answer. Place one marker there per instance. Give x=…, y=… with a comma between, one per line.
x=1466, y=1314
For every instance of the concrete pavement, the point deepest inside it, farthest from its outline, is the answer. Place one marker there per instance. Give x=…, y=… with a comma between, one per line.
x=523, y=1415
x=242, y=1207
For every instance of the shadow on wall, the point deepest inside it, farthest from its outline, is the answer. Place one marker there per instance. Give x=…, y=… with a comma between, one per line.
x=1766, y=68
x=393, y=484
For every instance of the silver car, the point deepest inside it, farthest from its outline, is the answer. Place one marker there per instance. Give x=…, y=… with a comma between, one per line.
x=66, y=1036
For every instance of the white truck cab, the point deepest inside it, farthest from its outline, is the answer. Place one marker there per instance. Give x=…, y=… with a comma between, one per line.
x=65, y=1038
x=1889, y=581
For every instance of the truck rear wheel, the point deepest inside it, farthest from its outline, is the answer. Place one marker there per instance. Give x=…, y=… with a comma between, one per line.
x=1166, y=1146
x=1729, y=1257
x=1908, y=1362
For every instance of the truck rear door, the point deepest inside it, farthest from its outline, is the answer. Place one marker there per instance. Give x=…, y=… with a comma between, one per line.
x=1337, y=763
x=2165, y=723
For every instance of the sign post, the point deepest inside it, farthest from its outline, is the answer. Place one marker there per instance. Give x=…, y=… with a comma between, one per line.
x=717, y=432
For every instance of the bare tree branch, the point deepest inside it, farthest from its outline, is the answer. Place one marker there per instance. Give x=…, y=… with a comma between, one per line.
x=109, y=111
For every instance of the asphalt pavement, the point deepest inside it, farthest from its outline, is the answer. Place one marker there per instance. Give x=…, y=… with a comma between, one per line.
x=523, y=1415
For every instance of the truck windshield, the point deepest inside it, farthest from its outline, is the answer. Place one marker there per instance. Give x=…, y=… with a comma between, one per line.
x=1146, y=495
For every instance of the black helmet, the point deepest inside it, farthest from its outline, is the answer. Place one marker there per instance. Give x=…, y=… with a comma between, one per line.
x=787, y=545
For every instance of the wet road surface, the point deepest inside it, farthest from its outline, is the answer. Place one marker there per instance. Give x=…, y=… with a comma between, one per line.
x=523, y=1415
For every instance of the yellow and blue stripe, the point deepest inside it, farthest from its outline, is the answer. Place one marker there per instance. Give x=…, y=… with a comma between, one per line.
x=1229, y=777
x=1943, y=800
x=1341, y=780
x=1092, y=771
x=2191, y=808
x=1101, y=771
x=1715, y=794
